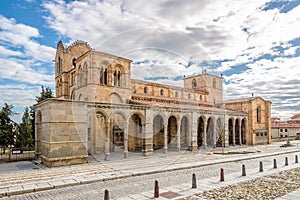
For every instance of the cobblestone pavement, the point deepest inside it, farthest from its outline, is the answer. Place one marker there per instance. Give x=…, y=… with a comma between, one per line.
x=268, y=187
x=174, y=179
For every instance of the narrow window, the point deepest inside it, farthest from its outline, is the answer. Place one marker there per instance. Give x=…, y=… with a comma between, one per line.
x=105, y=77
x=189, y=95
x=101, y=76
x=119, y=79
x=214, y=83
x=59, y=65
x=176, y=94
x=194, y=83
x=73, y=63
x=145, y=90
x=201, y=97
x=115, y=78
x=161, y=92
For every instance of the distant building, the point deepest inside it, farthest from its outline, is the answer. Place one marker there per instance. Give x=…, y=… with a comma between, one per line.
x=283, y=130
x=99, y=109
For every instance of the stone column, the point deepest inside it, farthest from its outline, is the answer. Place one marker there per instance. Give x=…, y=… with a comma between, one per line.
x=233, y=131
x=240, y=132
x=148, y=135
x=126, y=140
x=204, y=135
x=226, y=133
x=107, y=141
x=165, y=138
x=193, y=129
x=178, y=137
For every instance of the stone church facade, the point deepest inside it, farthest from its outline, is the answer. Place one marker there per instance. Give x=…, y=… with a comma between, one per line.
x=99, y=109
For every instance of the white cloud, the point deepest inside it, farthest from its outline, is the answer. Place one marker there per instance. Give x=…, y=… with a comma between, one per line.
x=172, y=34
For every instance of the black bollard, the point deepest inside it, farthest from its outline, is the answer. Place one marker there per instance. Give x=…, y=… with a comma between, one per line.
x=286, y=161
x=296, y=158
x=261, y=169
x=243, y=170
x=275, y=164
x=222, y=175
x=194, y=182
x=156, y=190
x=106, y=195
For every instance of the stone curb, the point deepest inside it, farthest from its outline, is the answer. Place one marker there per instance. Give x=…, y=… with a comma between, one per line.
x=60, y=183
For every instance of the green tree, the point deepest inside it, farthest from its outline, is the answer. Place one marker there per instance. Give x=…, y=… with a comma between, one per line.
x=8, y=128
x=45, y=94
x=24, y=137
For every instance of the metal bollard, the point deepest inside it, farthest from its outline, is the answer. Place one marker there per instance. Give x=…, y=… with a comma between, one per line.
x=286, y=161
x=296, y=158
x=222, y=175
x=194, y=182
x=261, y=169
x=243, y=170
x=275, y=164
x=156, y=189
x=106, y=195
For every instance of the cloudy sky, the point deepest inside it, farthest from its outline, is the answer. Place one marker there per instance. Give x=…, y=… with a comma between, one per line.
x=254, y=44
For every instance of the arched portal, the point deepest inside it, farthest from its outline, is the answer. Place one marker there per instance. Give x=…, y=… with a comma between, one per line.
x=230, y=130
x=244, y=131
x=158, y=132
x=210, y=133
x=117, y=126
x=237, y=131
x=184, y=131
x=135, y=134
x=200, y=131
x=172, y=131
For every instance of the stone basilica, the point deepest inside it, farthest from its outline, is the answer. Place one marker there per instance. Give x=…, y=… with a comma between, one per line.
x=99, y=109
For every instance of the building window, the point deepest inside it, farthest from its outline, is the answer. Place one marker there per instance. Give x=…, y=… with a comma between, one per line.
x=119, y=79
x=59, y=65
x=115, y=78
x=73, y=62
x=189, y=95
x=285, y=130
x=265, y=134
x=257, y=134
x=281, y=130
x=101, y=76
x=258, y=117
x=214, y=83
x=161, y=92
x=194, y=83
x=105, y=77
x=201, y=97
x=145, y=90
x=176, y=94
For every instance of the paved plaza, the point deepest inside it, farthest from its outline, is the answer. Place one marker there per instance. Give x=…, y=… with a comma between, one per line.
x=133, y=178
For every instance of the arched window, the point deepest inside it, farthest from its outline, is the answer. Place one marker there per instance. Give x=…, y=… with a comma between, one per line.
x=161, y=92
x=101, y=76
x=194, y=83
x=145, y=90
x=59, y=65
x=176, y=94
x=105, y=77
x=119, y=79
x=73, y=63
x=214, y=83
x=201, y=97
x=115, y=79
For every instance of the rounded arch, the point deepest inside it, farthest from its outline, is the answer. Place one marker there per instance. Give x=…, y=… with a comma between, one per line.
x=230, y=131
x=200, y=130
x=237, y=130
x=194, y=83
x=135, y=133
x=115, y=98
x=244, y=131
x=219, y=130
x=158, y=132
x=210, y=135
x=184, y=131
x=118, y=123
x=172, y=130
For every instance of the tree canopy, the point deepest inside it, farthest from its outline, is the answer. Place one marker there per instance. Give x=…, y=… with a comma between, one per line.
x=45, y=94
x=8, y=127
